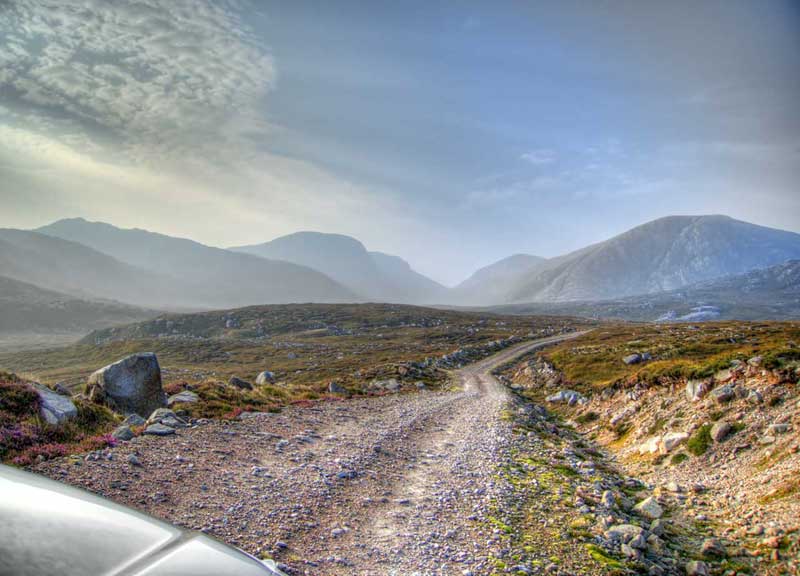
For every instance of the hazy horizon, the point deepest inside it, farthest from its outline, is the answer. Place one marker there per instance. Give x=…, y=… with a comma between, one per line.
x=449, y=136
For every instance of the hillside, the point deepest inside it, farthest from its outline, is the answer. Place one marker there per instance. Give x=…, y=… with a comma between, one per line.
x=767, y=294
x=374, y=275
x=208, y=277
x=64, y=266
x=664, y=254
x=490, y=284
x=28, y=309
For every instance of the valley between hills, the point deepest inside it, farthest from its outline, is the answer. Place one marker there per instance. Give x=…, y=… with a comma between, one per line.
x=630, y=408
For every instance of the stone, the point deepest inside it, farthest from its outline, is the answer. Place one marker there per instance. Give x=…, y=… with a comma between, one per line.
x=624, y=532
x=658, y=527
x=651, y=446
x=781, y=428
x=336, y=388
x=723, y=394
x=185, y=397
x=54, y=407
x=159, y=430
x=134, y=420
x=649, y=508
x=133, y=460
x=696, y=568
x=712, y=548
x=755, y=361
x=390, y=385
x=159, y=414
x=632, y=359
x=672, y=439
x=61, y=388
x=608, y=500
x=720, y=430
x=123, y=433
x=265, y=377
x=239, y=383
x=755, y=397
x=132, y=384
x=696, y=389
x=566, y=397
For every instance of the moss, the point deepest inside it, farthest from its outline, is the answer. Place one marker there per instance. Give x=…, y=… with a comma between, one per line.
x=678, y=457
x=700, y=441
x=599, y=555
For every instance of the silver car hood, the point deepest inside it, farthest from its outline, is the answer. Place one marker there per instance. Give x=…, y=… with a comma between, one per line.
x=51, y=528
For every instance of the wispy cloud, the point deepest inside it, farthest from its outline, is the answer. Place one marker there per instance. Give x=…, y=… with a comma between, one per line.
x=539, y=157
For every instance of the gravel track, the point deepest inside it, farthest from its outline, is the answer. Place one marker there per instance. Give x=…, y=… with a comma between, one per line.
x=396, y=484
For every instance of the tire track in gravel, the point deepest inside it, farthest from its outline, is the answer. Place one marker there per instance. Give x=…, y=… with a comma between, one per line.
x=416, y=515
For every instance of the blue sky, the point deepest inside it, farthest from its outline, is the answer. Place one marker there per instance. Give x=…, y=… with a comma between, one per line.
x=452, y=134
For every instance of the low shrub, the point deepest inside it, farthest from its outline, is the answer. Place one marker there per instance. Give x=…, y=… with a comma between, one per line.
x=700, y=441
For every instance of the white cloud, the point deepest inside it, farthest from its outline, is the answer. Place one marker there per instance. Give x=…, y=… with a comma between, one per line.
x=539, y=157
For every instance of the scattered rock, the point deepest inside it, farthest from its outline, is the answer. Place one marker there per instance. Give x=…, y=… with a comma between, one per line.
x=712, y=548
x=649, y=508
x=132, y=384
x=265, y=377
x=632, y=359
x=720, y=430
x=723, y=394
x=696, y=568
x=696, y=389
x=133, y=460
x=134, y=420
x=123, y=433
x=566, y=397
x=239, y=383
x=54, y=407
x=336, y=388
x=159, y=430
x=186, y=397
x=672, y=439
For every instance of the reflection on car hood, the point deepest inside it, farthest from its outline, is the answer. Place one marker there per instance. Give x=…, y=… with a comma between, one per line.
x=51, y=528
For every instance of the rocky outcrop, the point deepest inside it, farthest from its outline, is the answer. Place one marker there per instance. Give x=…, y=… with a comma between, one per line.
x=54, y=407
x=131, y=385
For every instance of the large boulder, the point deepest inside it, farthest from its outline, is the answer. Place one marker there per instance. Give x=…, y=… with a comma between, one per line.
x=54, y=407
x=131, y=385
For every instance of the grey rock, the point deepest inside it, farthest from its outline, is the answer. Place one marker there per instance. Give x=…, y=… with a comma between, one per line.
x=336, y=388
x=159, y=430
x=265, y=377
x=649, y=508
x=696, y=389
x=132, y=384
x=632, y=359
x=122, y=433
x=239, y=383
x=185, y=397
x=54, y=407
x=719, y=431
x=723, y=394
x=755, y=397
x=781, y=428
x=624, y=532
x=134, y=420
x=566, y=397
x=159, y=414
x=658, y=527
x=133, y=460
x=712, y=548
x=696, y=568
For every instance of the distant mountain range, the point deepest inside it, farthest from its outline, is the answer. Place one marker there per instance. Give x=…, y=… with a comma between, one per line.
x=656, y=269
x=373, y=275
x=664, y=254
x=192, y=275
x=765, y=294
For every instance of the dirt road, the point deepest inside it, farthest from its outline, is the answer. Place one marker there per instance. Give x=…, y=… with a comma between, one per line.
x=399, y=484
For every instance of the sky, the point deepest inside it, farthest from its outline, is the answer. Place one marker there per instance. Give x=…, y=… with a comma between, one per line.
x=452, y=134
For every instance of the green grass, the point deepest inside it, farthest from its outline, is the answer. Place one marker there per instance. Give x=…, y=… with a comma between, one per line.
x=594, y=361
x=700, y=441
